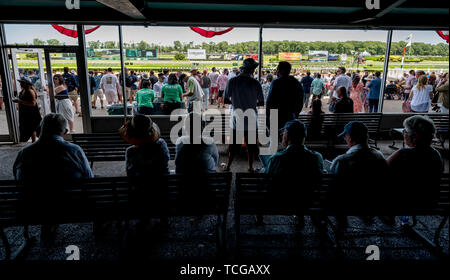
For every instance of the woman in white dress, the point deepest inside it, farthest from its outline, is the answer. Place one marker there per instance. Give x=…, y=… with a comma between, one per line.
x=62, y=101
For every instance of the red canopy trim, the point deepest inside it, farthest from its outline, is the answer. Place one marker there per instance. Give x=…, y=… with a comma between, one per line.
x=205, y=32
x=71, y=30
x=444, y=34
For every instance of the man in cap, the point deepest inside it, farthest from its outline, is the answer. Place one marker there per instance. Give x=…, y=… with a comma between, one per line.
x=295, y=162
x=234, y=72
x=295, y=156
x=361, y=171
x=244, y=93
x=194, y=92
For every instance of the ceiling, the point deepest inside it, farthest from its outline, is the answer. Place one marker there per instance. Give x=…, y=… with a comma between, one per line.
x=396, y=14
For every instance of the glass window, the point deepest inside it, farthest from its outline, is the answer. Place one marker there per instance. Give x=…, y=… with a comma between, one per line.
x=152, y=50
x=103, y=53
x=415, y=53
x=316, y=51
x=39, y=34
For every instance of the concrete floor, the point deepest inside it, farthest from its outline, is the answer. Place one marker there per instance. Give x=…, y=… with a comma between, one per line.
x=193, y=238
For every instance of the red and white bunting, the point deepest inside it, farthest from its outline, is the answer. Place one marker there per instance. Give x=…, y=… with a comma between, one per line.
x=444, y=34
x=209, y=32
x=71, y=30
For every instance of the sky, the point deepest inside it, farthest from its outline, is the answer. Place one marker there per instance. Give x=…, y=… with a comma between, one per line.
x=17, y=33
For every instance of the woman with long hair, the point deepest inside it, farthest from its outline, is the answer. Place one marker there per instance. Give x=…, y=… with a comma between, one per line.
x=421, y=95
x=62, y=101
x=29, y=115
x=356, y=94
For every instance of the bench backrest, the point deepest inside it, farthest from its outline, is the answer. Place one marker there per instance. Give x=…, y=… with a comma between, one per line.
x=440, y=121
x=117, y=197
x=253, y=196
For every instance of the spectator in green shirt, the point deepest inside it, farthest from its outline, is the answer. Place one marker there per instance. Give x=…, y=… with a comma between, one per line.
x=318, y=87
x=172, y=94
x=145, y=97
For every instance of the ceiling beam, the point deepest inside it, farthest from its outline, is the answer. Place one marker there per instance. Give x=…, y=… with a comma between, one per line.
x=123, y=6
x=369, y=15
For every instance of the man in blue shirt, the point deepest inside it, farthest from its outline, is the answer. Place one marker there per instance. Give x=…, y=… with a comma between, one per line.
x=374, y=88
x=46, y=167
x=360, y=171
x=98, y=92
x=296, y=169
x=51, y=158
x=306, y=83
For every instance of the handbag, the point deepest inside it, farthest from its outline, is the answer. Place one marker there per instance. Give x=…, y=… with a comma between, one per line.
x=406, y=106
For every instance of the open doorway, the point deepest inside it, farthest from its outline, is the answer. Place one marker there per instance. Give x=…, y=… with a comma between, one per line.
x=39, y=66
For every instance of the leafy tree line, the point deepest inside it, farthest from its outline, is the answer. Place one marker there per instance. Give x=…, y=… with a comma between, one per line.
x=274, y=47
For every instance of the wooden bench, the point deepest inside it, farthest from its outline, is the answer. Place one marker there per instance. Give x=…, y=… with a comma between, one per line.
x=440, y=122
x=116, y=198
x=253, y=197
x=109, y=146
x=333, y=125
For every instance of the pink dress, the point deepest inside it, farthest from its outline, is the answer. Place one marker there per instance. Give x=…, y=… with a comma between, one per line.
x=355, y=95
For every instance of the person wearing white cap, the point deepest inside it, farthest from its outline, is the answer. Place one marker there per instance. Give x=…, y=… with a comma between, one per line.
x=234, y=72
x=194, y=92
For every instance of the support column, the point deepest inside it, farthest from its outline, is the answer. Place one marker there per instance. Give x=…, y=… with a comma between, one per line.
x=8, y=89
x=122, y=69
x=260, y=52
x=385, y=71
x=83, y=78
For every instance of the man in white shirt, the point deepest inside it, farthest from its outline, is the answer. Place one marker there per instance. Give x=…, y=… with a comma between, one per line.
x=194, y=93
x=342, y=80
x=111, y=87
x=158, y=86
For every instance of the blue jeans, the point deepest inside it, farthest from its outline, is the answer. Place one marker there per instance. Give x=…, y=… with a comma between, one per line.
x=373, y=105
x=206, y=97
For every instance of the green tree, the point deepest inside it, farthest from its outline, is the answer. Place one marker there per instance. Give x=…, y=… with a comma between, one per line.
x=180, y=56
x=53, y=42
x=142, y=45
x=38, y=42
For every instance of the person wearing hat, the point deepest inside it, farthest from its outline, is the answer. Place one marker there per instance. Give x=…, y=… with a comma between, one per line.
x=149, y=156
x=29, y=115
x=234, y=72
x=361, y=171
x=295, y=156
x=293, y=164
x=244, y=93
x=194, y=92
